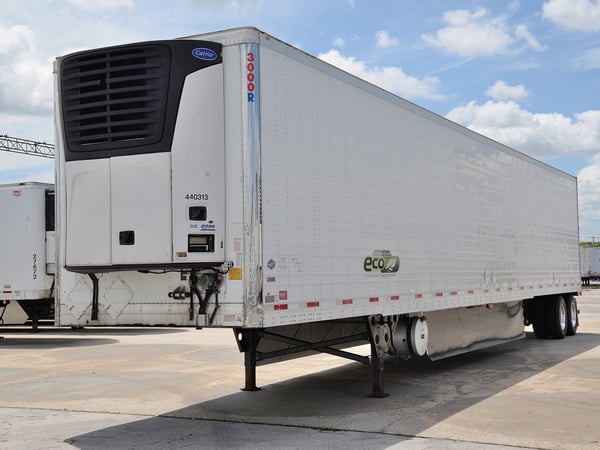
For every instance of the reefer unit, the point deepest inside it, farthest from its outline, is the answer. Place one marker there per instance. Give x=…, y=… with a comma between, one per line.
x=229, y=179
x=27, y=250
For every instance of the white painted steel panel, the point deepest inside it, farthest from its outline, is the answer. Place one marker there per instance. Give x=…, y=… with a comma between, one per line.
x=140, y=191
x=590, y=261
x=198, y=159
x=349, y=170
x=584, y=261
x=51, y=252
x=23, y=242
x=87, y=209
x=126, y=298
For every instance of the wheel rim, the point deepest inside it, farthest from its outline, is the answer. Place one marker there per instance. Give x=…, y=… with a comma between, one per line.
x=573, y=314
x=563, y=316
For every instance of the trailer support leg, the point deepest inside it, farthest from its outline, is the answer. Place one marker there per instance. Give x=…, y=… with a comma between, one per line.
x=249, y=343
x=377, y=377
x=381, y=329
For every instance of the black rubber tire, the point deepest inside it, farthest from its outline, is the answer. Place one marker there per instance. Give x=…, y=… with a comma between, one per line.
x=555, y=312
x=538, y=318
x=572, y=315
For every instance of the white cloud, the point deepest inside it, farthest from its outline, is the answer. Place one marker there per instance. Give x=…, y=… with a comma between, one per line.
x=37, y=127
x=521, y=32
x=95, y=5
x=25, y=79
x=542, y=135
x=246, y=6
x=590, y=59
x=384, y=40
x=573, y=15
x=14, y=38
x=338, y=42
x=390, y=78
x=476, y=33
x=502, y=91
x=461, y=17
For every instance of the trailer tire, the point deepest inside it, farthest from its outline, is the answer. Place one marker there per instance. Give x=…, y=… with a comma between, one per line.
x=572, y=315
x=538, y=318
x=556, y=314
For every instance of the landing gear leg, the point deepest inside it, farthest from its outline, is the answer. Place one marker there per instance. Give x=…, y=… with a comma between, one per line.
x=247, y=341
x=380, y=333
x=377, y=377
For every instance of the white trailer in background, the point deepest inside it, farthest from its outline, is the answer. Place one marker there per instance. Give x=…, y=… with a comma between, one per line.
x=232, y=180
x=27, y=253
x=589, y=258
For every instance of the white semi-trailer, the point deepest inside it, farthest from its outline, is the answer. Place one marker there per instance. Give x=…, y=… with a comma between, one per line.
x=589, y=258
x=27, y=253
x=231, y=180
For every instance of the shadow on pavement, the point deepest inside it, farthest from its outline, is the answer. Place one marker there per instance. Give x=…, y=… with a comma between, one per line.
x=422, y=394
x=26, y=338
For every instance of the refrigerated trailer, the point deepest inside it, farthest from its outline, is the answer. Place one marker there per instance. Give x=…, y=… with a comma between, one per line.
x=27, y=253
x=589, y=258
x=232, y=180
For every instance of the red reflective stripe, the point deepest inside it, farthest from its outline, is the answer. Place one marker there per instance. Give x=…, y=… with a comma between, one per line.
x=280, y=307
x=439, y=294
x=418, y=295
x=373, y=299
x=312, y=304
x=347, y=301
x=395, y=297
x=453, y=293
x=470, y=291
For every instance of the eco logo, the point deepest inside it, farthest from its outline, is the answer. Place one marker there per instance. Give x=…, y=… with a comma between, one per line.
x=381, y=261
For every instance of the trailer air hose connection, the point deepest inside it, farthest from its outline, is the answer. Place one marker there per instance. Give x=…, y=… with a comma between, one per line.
x=209, y=283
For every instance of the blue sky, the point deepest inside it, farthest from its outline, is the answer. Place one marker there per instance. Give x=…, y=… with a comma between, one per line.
x=526, y=73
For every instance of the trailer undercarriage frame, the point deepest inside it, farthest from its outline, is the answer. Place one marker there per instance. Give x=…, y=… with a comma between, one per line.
x=375, y=330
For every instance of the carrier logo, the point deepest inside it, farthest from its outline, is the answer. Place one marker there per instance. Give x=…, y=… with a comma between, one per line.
x=205, y=54
x=381, y=261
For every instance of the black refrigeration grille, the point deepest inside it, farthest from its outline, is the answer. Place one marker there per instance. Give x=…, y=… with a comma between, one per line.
x=115, y=98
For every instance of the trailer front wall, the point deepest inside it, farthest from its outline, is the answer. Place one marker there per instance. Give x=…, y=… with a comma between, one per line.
x=357, y=182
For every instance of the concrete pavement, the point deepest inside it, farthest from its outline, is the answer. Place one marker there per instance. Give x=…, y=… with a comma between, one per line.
x=179, y=388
